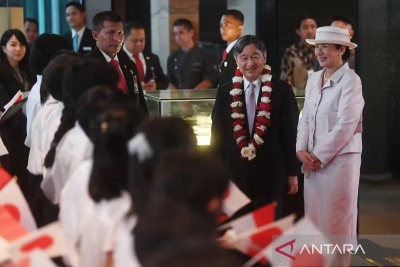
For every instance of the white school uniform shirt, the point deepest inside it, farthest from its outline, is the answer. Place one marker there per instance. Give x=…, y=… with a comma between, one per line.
x=73, y=149
x=331, y=115
x=32, y=107
x=99, y=228
x=74, y=201
x=40, y=131
x=124, y=253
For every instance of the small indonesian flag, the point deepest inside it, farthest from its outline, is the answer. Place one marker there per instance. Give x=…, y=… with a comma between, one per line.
x=12, y=199
x=49, y=239
x=254, y=241
x=253, y=220
x=234, y=199
x=294, y=247
x=36, y=258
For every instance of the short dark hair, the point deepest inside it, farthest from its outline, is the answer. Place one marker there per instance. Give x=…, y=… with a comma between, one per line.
x=132, y=25
x=300, y=20
x=99, y=19
x=183, y=22
x=21, y=38
x=247, y=40
x=77, y=5
x=43, y=49
x=344, y=19
x=236, y=14
x=346, y=54
x=53, y=75
x=32, y=20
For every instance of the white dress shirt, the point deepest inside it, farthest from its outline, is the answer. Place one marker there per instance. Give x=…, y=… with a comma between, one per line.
x=229, y=47
x=124, y=252
x=331, y=115
x=39, y=133
x=74, y=201
x=141, y=57
x=32, y=107
x=73, y=149
x=99, y=229
x=80, y=34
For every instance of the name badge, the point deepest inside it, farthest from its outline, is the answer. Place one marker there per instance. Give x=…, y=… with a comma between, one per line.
x=87, y=48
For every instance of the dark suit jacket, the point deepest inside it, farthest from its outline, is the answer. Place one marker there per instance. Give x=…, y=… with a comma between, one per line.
x=153, y=66
x=226, y=71
x=87, y=43
x=129, y=69
x=264, y=178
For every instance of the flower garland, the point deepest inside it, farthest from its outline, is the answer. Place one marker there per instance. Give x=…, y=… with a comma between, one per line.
x=262, y=120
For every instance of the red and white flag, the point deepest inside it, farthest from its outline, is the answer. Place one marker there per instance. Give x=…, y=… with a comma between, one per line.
x=254, y=241
x=301, y=245
x=35, y=259
x=49, y=239
x=12, y=199
x=234, y=199
x=10, y=230
x=253, y=220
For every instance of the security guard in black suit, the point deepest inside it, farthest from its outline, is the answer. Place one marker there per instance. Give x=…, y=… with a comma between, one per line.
x=79, y=36
x=231, y=27
x=109, y=36
x=153, y=76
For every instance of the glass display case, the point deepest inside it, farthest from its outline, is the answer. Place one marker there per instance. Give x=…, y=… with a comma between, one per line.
x=194, y=106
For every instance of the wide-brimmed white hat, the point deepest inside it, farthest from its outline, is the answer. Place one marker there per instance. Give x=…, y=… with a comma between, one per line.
x=332, y=35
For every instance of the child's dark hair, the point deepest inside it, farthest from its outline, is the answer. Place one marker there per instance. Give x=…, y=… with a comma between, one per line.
x=160, y=135
x=78, y=78
x=53, y=75
x=109, y=131
x=192, y=178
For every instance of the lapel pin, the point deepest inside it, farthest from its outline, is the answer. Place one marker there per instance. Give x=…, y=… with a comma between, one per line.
x=225, y=63
x=147, y=58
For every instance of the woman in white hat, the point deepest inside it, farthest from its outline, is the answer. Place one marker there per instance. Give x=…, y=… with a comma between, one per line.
x=329, y=139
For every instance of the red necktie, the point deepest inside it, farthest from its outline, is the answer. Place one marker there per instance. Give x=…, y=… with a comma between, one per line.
x=140, y=68
x=224, y=55
x=121, y=82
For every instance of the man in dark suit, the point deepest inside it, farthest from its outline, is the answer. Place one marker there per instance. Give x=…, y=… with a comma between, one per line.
x=262, y=156
x=109, y=36
x=79, y=36
x=148, y=64
x=231, y=27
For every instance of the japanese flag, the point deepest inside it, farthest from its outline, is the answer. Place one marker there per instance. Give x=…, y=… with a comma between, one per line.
x=292, y=248
x=36, y=258
x=234, y=199
x=12, y=199
x=253, y=220
x=254, y=241
x=49, y=239
x=10, y=230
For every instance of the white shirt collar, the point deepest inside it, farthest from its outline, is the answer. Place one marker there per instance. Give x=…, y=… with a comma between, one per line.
x=131, y=55
x=80, y=32
x=246, y=83
x=228, y=49
x=108, y=58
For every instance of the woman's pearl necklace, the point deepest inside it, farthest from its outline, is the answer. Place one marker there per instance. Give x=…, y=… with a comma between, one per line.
x=325, y=77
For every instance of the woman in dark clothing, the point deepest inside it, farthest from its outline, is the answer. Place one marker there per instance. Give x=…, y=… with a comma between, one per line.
x=14, y=76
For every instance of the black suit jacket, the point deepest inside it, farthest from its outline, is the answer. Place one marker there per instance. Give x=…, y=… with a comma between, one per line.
x=129, y=69
x=87, y=43
x=153, y=66
x=264, y=178
x=227, y=69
